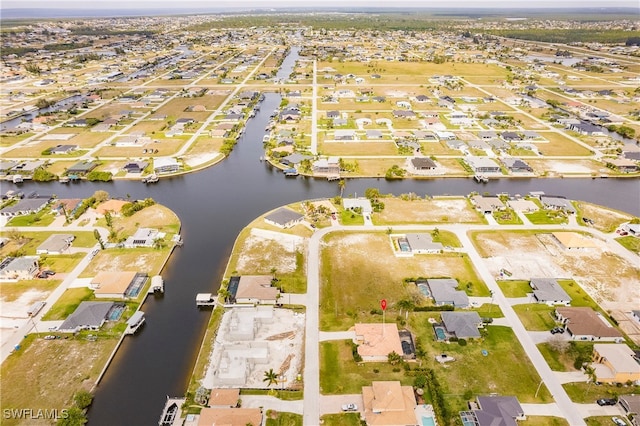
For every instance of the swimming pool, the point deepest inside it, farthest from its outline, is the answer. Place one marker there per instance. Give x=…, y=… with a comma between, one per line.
x=404, y=245
x=115, y=312
x=424, y=289
x=428, y=421
x=136, y=285
x=440, y=334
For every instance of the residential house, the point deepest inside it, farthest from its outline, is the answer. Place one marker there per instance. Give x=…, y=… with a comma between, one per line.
x=112, y=206
x=328, y=167
x=224, y=398
x=583, y=323
x=615, y=363
x=68, y=206
x=118, y=285
x=344, y=135
x=586, y=129
x=230, y=417
x=482, y=164
x=55, y=244
x=631, y=406
x=389, y=404
x=253, y=289
x=422, y=243
x=374, y=134
x=87, y=316
x=25, y=206
x=364, y=204
x=510, y=136
x=284, y=218
x=143, y=237
x=63, y=149
x=135, y=166
x=557, y=203
x=81, y=168
x=623, y=165
x=404, y=114
x=462, y=324
x=376, y=341
x=548, y=291
x=18, y=268
x=423, y=163
x=494, y=411
x=631, y=228
x=444, y=292
x=487, y=205
x=165, y=165
x=516, y=165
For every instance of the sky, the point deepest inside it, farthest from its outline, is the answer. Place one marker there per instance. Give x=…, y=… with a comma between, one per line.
x=220, y=4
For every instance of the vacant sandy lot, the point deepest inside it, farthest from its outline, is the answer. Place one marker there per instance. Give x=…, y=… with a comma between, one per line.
x=434, y=210
x=265, y=249
x=610, y=280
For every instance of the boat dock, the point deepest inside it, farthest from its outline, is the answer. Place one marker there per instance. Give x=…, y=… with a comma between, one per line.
x=135, y=322
x=205, y=299
x=152, y=178
x=172, y=412
x=291, y=172
x=481, y=178
x=157, y=284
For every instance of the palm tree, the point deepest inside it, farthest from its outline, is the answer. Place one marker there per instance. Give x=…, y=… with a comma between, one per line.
x=405, y=304
x=341, y=184
x=271, y=377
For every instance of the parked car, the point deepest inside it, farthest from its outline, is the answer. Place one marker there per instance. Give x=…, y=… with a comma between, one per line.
x=50, y=337
x=349, y=407
x=618, y=421
x=49, y=272
x=557, y=330
x=43, y=275
x=606, y=401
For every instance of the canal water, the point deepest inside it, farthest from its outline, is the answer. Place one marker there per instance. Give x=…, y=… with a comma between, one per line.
x=215, y=205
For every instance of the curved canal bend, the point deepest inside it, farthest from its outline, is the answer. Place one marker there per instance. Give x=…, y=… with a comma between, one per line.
x=214, y=205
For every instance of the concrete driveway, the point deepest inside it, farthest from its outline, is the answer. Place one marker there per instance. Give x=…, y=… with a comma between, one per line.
x=331, y=404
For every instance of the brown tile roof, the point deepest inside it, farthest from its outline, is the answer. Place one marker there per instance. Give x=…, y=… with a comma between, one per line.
x=583, y=321
x=230, y=417
x=373, y=342
x=226, y=397
x=389, y=403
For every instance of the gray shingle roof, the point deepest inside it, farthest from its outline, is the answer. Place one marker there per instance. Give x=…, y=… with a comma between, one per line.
x=87, y=314
x=462, y=324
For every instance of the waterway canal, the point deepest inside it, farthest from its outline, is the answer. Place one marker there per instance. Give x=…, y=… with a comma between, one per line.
x=214, y=205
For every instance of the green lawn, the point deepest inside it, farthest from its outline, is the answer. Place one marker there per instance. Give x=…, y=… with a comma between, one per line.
x=630, y=243
x=489, y=310
x=589, y=392
x=340, y=374
x=543, y=421
x=507, y=217
x=61, y=262
x=446, y=238
x=535, y=316
x=348, y=217
x=578, y=296
x=296, y=281
x=475, y=374
x=599, y=421
x=42, y=218
x=67, y=303
x=275, y=418
x=542, y=217
x=569, y=358
x=515, y=288
x=344, y=419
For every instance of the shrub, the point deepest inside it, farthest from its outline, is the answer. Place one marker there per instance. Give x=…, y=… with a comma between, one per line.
x=462, y=342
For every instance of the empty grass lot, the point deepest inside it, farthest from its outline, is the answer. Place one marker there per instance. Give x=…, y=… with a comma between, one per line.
x=433, y=210
x=543, y=217
x=515, y=288
x=544, y=421
x=630, y=243
x=353, y=281
x=604, y=219
x=10, y=292
x=39, y=376
x=340, y=374
x=588, y=392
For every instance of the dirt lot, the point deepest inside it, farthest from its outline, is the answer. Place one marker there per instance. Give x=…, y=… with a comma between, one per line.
x=610, y=280
x=264, y=250
x=435, y=210
x=604, y=219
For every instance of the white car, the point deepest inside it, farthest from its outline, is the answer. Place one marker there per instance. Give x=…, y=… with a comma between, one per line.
x=618, y=421
x=349, y=407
